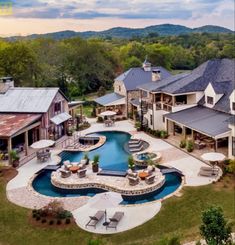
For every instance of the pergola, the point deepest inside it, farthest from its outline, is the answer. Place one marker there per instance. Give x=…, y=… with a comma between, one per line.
x=12, y=125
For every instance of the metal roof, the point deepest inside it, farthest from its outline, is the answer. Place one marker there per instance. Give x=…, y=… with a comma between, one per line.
x=10, y=124
x=202, y=119
x=137, y=76
x=110, y=99
x=27, y=100
x=60, y=118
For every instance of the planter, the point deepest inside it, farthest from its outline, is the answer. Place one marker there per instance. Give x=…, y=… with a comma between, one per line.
x=95, y=168
x=15, y=163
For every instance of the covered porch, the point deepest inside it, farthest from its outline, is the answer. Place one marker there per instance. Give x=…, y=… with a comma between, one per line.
x=18, y=132
x=207, y=128
x=112, y=102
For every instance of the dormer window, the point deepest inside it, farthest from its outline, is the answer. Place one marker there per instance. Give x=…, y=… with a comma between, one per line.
x=210, y=100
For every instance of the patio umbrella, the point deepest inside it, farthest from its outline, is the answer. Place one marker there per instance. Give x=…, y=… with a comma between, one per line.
x=42, y=144
x=213, y=158
x=105, y=200
x=108, y=113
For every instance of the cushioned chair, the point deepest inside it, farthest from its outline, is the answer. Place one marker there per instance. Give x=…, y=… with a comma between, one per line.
x=150, y=179
x=82, y=173
x=64, y=173
x=133, y=180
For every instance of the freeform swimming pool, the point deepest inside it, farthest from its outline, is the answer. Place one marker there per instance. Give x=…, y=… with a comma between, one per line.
x=42, y=184
x=112, y=157
x=112, y=154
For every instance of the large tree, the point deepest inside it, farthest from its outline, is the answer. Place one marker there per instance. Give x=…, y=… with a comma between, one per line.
x=215, y=229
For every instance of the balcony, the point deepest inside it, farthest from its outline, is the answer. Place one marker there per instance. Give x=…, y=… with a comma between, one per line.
x=163, y=106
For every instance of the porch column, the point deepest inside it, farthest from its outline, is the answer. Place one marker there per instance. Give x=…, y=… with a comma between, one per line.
x=26, y=141
x=9, y=148
x=192, y=134
x=216, y=145
x=184, y=132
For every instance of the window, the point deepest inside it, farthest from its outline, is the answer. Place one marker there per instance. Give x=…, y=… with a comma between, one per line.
x=119, y=88
x=57, y=107
x=233, y=146
x=151, y=119
x=233, y=106
x=209, y=100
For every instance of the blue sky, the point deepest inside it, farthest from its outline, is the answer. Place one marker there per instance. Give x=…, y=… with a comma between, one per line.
x=80, y=15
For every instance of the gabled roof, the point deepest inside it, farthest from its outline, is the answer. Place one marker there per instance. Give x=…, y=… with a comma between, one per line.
x=109, y=99
x=137, y=76
x=202, y=119
x=158, y=86
x=27, y=100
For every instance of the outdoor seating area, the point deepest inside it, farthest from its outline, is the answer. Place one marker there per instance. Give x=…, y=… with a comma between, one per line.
x=109, y=123
x=43, y=156
x=69, y=168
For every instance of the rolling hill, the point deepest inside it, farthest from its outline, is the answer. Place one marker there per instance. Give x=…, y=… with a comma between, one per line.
x=121, y=32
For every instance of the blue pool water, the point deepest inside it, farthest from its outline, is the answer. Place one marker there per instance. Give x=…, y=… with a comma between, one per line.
x=113, y=157
x=112, y=154
x=42, y=184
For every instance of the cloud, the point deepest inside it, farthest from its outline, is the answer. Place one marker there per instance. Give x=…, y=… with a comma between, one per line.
x=132, y=9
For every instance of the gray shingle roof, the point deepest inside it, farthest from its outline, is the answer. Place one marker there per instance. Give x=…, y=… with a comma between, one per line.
x=137, y=76
x=202, y=119
x=27, y=100
x=108, y=98
x=160, y=85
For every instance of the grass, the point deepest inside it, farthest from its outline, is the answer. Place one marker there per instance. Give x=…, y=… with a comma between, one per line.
x=178, y=215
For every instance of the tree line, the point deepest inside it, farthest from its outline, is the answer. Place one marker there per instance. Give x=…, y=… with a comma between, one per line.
x=80, y=66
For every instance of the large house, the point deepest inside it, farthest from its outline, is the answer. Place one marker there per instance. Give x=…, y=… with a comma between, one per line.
x=126, y=88
x=198, y=104
x=30, y=114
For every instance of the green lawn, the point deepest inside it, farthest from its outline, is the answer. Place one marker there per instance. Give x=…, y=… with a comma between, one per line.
x=179, y=215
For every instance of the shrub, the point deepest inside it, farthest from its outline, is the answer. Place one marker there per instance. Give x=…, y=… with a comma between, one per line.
x=43, y=221
x=96, y=159
x=124, y=118
x=230, y=168
x=51, y=222
x=131, y=163
x=163, y=134
x=67, y=221
x=138, y=126
x=64, y=214
x=100, y=119
x=38, y=218
x=158, y=133
x=94, y=242
x=182, y=143
x=189, y=146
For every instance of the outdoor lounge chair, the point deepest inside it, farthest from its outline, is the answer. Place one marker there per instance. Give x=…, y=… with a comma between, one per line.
x=82, y=173
x=115, y=220
x=133, y=181
x=150, y=179
x=215, y=169
x=65, y=173
x=94, y=220
x=131, y=173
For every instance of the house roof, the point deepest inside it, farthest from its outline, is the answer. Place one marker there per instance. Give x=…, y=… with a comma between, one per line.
x=137, y=76
x=205, y=120
x=109, y=99
x=60, y=118
x=27, y=100
x=10, y=124
x=160, y=85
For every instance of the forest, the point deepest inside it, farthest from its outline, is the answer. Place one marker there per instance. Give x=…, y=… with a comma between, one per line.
x=80, y=66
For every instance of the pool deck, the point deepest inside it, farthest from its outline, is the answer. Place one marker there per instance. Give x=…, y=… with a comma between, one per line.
x=109, y=183
x=20, y=191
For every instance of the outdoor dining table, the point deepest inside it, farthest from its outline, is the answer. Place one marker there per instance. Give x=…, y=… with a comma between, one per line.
x=143, y=175
x=74, y=169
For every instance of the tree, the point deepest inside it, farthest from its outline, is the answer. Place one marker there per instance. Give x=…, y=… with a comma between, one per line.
x=215, y=229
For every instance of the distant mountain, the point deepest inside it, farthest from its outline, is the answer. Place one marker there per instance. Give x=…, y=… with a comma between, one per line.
x=121, y=32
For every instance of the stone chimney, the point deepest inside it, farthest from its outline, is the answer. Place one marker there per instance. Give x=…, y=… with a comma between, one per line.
x=5, y=84
x=146, y=65
x=156, y=75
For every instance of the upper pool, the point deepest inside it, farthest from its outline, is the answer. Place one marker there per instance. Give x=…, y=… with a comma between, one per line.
x=112, y=154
